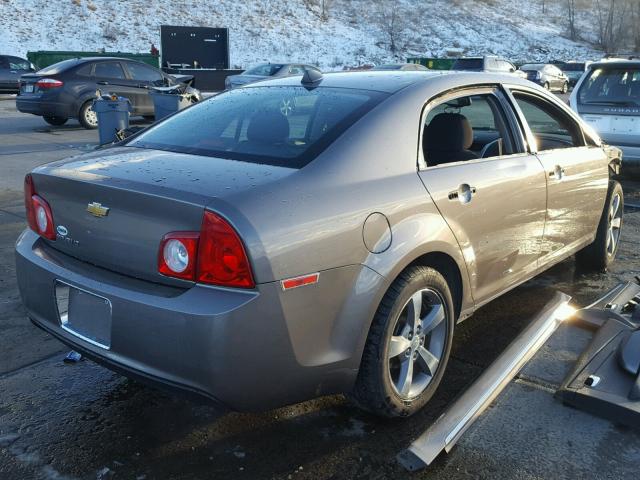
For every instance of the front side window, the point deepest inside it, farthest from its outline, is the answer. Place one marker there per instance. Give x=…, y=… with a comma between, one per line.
x=551, y=127
x=285, y=126
x=109, y=70
x=466, y=128
x=143, y=73
x=611, y=86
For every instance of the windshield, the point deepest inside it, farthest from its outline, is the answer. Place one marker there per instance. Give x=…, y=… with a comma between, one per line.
x=389, y=66
x=264, y=70
x=468, y=64
x=613, y=86
x=59, y=67
x=284, y=126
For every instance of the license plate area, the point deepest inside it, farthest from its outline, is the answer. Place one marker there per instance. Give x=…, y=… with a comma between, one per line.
x=83, y=314
x=28, y=88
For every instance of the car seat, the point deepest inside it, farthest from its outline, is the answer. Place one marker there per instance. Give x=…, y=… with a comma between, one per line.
x=447, y=139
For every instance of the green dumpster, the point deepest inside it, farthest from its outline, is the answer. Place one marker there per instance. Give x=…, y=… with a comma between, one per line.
x=433, y=63
x=44, y=58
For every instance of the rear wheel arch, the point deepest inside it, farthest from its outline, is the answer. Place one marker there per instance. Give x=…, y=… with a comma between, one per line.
x=449, y=269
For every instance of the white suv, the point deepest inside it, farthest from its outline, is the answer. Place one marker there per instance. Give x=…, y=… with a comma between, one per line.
x=607, y=97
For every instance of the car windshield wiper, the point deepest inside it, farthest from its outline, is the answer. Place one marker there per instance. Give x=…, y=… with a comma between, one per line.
x=623, y=103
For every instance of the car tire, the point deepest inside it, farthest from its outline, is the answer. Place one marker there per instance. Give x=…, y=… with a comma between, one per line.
x=602, y=252
x=57, y=121
x=546, y=86
x=395, y=348
x=565, y=87
x=87, y=117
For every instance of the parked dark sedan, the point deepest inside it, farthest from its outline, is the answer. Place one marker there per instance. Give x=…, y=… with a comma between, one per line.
x=67, y=89
x=547, y=75
x=11, y=68
x=267, y=70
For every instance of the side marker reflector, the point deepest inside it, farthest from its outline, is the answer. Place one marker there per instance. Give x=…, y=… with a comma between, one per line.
x=296, y=282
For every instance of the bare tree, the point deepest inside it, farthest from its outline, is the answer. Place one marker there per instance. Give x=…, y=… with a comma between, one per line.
x=571, y=19
x=611, y=16
x=392, y=21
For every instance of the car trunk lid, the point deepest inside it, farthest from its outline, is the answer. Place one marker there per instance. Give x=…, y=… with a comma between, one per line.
x=112, y=208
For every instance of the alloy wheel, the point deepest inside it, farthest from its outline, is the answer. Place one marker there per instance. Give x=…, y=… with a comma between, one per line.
x=90, y=117
x=614, y=224
x=417, y=344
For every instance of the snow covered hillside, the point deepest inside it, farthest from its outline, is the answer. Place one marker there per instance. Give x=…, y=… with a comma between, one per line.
x=351, y=32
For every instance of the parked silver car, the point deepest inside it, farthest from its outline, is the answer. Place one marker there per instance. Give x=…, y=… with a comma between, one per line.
x=547, y=75
x=297, y=238
x=264, y=71
x=608, y=98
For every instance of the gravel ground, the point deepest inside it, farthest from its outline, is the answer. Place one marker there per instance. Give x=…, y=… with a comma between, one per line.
x=61, y=421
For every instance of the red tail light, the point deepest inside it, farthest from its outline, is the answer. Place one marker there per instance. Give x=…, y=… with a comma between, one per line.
x=46, y=83
x=222, y=259
x=215, y=255
x=39, y=214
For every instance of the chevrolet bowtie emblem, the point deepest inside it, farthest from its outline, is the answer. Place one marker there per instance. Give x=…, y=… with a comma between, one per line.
x=97, y=210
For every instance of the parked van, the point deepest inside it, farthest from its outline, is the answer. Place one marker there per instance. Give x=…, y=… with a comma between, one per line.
x=607, y=97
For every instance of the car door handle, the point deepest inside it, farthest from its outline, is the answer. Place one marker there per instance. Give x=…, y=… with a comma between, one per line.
x=557, y=172
x=464, y=193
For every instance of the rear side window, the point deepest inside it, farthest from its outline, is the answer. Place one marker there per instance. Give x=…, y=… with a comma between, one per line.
x=466, y=128
x=264, y=70
x=611, y=86
x=108, y=70
x=285, y=126
x=85, y=70
x=551, y=127
x=4, y=63
x=143, y=73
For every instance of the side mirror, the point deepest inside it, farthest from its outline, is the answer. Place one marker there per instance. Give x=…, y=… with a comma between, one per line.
x=511, y=70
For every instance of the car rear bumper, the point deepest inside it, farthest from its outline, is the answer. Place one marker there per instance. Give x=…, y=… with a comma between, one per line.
x=630, y=157
x=38, y=106
x=247, y=349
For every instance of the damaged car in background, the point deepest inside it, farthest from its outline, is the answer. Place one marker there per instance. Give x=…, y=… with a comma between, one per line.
x=314, y=235
x=67, y=89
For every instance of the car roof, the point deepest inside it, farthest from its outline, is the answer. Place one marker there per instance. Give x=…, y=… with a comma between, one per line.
x=618, y=62
x=391, y=81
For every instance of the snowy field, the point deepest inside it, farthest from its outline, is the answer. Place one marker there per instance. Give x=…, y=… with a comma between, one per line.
x=293, y=30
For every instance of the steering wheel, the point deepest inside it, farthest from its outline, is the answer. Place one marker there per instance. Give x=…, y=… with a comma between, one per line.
x=486, y=148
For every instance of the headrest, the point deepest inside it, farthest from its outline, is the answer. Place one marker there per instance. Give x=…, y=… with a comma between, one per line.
x=448, y=131
x=268, y=127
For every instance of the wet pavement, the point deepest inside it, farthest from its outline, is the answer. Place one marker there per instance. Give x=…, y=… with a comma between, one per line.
x=61, y=421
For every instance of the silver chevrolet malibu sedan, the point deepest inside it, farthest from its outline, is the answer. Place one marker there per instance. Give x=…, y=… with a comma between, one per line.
x=316, y=235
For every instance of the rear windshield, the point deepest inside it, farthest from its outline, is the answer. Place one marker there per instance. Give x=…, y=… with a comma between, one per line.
x=573, y=67
x=468, y=64
x=611, y=86
x=59, y=67
x=284, y=126
x=264, y=70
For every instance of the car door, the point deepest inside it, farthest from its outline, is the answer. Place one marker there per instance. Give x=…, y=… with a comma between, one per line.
x=495, y=200
x=113, y=74
x=142, y=77
x=577, y=172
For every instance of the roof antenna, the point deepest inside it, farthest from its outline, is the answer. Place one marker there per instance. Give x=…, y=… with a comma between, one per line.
x=311, y=77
